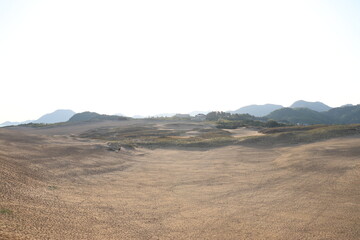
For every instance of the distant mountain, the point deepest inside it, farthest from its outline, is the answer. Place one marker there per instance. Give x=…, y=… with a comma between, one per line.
x=93, y=116
x=55, y=117
x=257, y=110
x=316, y=106
x=298, y=116
x=340, y=115
x=8, y=123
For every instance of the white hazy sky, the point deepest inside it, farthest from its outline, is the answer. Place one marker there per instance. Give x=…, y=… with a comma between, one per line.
x=148, y=57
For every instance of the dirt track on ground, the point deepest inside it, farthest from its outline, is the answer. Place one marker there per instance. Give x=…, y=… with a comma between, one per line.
x=61, y=187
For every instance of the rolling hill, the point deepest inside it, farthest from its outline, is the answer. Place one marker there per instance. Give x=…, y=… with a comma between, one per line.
x=93, y=116
x=316, y=106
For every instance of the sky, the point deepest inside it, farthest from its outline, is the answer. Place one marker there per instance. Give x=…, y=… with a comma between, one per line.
x=148, y=57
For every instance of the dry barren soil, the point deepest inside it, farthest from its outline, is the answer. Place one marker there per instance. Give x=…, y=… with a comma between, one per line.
x=64, y=187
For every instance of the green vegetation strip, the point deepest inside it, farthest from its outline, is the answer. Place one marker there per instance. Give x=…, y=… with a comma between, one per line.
x=151, y=137
x=52, y=187
x=5, y=211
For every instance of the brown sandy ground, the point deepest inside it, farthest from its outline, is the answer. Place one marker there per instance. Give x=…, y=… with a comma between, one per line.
x=61, y=187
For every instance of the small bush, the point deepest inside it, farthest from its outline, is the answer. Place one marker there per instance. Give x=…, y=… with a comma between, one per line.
x=5, y=211
x=52, y=187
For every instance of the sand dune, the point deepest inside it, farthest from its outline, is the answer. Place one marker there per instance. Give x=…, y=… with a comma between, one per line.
x=62, y=187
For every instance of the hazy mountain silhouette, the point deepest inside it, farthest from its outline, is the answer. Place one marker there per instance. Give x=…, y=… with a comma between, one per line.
x=60, y=115
x=316, y=106
x=258, y=110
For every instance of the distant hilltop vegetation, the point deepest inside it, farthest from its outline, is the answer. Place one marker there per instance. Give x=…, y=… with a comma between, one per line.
x=93, y=116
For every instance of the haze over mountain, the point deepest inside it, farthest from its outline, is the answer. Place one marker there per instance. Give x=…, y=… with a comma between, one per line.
x=316, y=106
x=257, y=110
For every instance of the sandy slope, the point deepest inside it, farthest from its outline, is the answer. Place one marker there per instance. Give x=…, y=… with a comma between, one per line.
x=63, y=188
